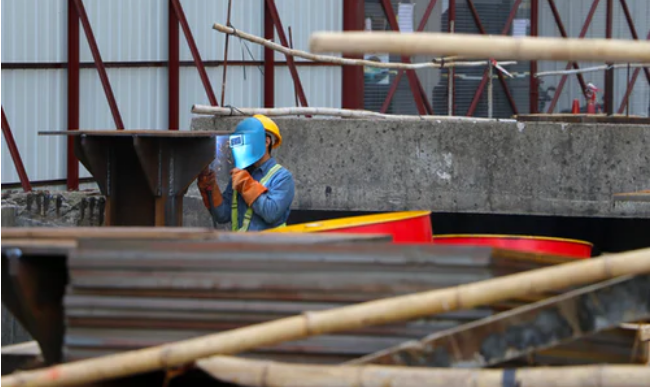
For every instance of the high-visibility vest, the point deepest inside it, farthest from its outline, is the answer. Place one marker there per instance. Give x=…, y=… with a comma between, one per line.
x=249, y=213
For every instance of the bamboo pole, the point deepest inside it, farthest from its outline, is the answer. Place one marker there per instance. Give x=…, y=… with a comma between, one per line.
x=436, y=63
x=333, y=112
x=257, y=373
x=482, y=46
x=350, y=317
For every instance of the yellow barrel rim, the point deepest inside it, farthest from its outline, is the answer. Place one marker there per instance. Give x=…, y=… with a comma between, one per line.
x=352, y=221
x=534, y=237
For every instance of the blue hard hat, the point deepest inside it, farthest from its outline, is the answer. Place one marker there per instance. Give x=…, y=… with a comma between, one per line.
x=248, y=142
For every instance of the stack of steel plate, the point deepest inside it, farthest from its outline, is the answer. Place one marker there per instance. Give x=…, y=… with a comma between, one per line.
x=131, y=294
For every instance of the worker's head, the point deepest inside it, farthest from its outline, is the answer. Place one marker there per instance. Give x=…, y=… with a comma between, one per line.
x=253, y=138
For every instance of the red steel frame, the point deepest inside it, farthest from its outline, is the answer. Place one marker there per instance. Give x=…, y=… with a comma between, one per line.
x=352, y=76
x=15, y=154
x=421, y=98
x=583, y=32
x=486, y=76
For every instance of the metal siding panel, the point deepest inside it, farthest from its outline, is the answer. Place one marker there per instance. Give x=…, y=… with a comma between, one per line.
x=35, y=31
x=44, y=157
x=305, y=17
x=246, y=15
x=126, y=30
x=244, y=89
x=322, y=85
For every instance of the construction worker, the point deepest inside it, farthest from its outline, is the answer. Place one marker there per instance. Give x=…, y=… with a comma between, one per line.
x=260, y=192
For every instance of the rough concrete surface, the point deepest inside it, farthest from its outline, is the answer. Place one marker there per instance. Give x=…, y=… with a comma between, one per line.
x=485, y=167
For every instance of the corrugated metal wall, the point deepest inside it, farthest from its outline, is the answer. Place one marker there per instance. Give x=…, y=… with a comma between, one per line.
x=136, y=31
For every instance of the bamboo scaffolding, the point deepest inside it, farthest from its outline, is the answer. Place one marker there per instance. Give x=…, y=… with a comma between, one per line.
x=590, y=69
x=257, y=373
x=436, y=63
x=482, y=46
x=333, y=112
x=350, y=317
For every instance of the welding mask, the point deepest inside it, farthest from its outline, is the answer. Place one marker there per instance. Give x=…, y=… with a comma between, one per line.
x=248, y=142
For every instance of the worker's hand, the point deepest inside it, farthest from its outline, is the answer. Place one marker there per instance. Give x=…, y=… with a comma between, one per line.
x=208, y=187
x=248, y=188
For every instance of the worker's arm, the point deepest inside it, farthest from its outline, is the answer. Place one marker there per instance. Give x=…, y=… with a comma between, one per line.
x=273, y=204
x=222, y=213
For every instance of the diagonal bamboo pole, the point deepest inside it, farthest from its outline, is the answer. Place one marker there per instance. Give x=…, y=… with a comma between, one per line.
x=350, y=317
x=260, y=373
x=436, y=63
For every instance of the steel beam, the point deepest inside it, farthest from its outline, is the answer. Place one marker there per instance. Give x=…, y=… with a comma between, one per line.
x=197, y=58
x=173, y=68
x=33, y=290
x=583, y=32
x=631, y=84
x=451, y=85
x=99, y=64
x=633, y=32
x=421, y=98
x=535, y=83
x=608, y=87
x=268, y=59
x=272, y=9
x=353, y=78
x=15, y=154
x=72, y=164
x=143, y=174
x=527, y=329
x=486, y=79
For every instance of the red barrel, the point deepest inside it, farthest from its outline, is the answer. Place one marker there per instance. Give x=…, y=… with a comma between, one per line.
x=405, y=227
x=546, y=245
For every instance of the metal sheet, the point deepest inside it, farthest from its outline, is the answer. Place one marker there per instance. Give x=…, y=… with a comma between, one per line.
x=322, y=85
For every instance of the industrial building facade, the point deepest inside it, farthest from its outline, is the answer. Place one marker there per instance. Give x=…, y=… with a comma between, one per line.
x=89, y=64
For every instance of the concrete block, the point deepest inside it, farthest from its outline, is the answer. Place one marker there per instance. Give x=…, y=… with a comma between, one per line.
x=484, y=167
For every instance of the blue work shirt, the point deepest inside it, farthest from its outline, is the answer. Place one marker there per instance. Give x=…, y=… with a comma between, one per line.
x=271, y=209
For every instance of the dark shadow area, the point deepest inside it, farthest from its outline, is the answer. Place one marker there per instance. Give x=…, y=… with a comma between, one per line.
x=607, y=234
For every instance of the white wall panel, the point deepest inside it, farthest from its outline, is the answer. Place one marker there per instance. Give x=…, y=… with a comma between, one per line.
x=322, y=86
x=34, y=30
x=246, y=15
x=244, y=89
x=305, y=17
x=34, y=100
x=127, y=30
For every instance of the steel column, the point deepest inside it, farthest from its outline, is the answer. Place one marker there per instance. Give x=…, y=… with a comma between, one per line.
x=173, y=68
x=99, y=64
x=631, y=85
x=633, y=32
x=268, y=64
x=421, y=98
x=583, y=32
x=484, y=81
x=272, y=8
x=353, y=77
x=197, y=58
x=72, y=106
x=451, y=86
x=535, y=84
x=608, y=87
x=15, y=154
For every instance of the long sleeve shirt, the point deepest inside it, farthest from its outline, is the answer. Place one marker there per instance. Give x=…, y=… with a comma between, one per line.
x=271, y=209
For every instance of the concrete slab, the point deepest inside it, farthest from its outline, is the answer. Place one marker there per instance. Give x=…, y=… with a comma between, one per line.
x=486, y=167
